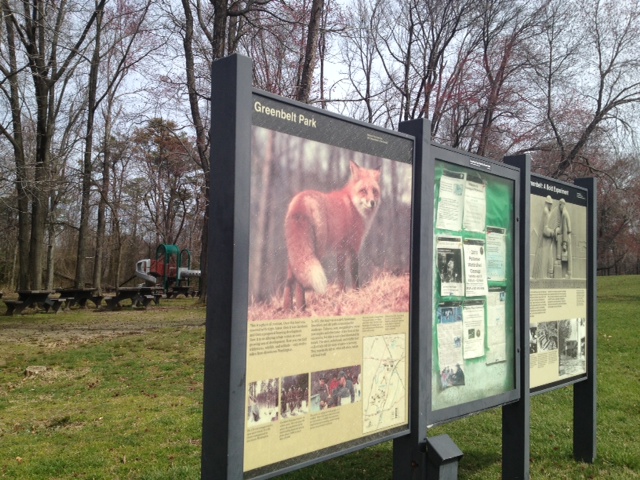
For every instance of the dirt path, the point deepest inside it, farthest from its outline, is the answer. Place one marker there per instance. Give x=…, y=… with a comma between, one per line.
x=61, y=333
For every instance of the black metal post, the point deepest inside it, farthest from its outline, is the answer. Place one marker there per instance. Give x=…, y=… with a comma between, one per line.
x=585, y=392
x=516, y=423
x=228, y=252
x=409, y=451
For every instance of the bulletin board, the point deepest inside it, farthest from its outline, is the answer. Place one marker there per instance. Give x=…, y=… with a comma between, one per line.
x=475, y=329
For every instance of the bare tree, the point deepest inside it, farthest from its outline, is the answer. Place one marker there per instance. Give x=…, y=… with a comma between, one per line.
x=39, y=28
x=586, y=72
x=124, y=38
x=14, y=134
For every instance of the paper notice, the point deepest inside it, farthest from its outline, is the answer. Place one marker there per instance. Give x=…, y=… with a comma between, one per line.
x=473, y=329
x=450, y=266
x=496, y=334
x=450, y=201
x=449, y=327
x=496, y=254
x=475, y=201
x=475, y=268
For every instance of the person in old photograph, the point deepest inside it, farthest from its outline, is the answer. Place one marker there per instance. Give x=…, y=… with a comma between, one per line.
x=544, y=256
x=533, y=340
x=344, y=393
x=547, y=336
x=254, y=410
x=321, y=389
x=449, y=272
x=563, y=240
x=262, y=401
x=295, y=395
x=450, y=377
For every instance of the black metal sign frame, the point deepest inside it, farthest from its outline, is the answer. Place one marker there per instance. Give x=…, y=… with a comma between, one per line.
x=235, y=408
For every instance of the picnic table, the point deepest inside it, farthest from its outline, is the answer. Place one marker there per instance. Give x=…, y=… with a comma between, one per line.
x=33, y=299
x=156, y=292
x=140, y=297
x=180, y=290
x=80, y=296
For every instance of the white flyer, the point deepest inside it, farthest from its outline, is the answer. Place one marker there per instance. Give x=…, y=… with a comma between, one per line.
x=450, y=201
x=496, y=334
x=475, y=268
x=475, y=205
x=496, y=254
x=473, y=329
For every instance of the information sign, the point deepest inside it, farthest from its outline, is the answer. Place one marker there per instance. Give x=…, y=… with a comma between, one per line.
x=558, y=298
x=327, y=356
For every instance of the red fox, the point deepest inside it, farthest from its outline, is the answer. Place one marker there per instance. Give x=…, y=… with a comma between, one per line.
x=318, y=222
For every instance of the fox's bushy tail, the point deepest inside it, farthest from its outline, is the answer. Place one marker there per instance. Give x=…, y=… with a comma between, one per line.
x=303, y=261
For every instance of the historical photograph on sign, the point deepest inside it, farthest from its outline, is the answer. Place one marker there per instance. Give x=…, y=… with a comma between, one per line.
x=321, y=217
x=572, y=344
x=547, y=336
x=294, y=398
x=336, y=387
x=533, y=340
x=262, y=402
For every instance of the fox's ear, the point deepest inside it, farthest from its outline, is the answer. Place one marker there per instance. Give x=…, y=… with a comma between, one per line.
x=355, y=169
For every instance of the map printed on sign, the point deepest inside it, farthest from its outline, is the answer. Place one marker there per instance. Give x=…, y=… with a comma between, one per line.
x=383, y=377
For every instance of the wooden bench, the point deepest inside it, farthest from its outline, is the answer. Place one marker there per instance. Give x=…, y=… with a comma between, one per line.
x=56, y=304
x=113, y=303
x=14, y=307
x=97, y=299
x=156, y=298
x=144, y=300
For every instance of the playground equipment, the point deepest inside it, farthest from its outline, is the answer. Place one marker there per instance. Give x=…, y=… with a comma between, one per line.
x=171, y=268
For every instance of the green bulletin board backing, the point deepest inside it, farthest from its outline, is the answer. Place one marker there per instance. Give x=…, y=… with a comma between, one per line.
x=474, y=320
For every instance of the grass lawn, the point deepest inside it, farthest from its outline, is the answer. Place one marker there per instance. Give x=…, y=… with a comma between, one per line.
x=121, y=398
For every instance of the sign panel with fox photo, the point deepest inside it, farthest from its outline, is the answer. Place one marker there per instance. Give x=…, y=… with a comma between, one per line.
x=327, y=356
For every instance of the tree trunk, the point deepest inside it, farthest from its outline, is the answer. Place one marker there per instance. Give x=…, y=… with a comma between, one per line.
x=102, y=205
x=51, y=237
x=303, y=90
x=87, y=163
x=16, y=139
x=218, y=47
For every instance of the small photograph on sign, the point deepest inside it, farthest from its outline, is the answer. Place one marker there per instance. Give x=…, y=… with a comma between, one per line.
x=294, y=398
x=572, y=337
x=547, y=336
x=533, y=340
x=262, y=402
x=335, y=387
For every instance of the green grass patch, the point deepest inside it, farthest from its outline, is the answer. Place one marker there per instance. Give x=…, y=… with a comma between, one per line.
x=121, y=398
